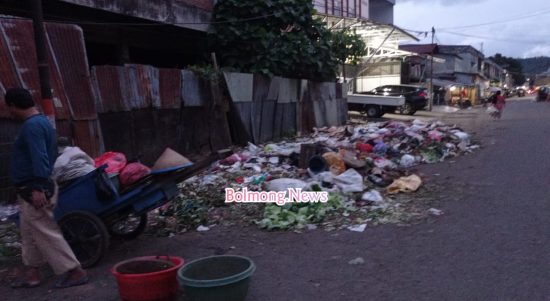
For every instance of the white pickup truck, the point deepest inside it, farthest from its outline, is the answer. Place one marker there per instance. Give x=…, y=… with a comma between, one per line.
x=374, y=105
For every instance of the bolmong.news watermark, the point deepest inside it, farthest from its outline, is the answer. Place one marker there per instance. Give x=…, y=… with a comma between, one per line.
x=291, y=195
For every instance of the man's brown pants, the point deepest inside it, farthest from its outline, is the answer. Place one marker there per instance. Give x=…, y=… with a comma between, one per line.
x=42, y=240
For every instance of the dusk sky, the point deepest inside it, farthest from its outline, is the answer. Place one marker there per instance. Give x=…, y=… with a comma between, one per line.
x=513, y=28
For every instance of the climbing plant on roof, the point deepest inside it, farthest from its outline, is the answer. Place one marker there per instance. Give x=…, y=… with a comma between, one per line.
x=280, y=37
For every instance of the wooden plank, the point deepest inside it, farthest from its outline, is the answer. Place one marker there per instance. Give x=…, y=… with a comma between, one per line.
x=289, y=124
x=244, y=112
x=278, y=120
x=268, y=120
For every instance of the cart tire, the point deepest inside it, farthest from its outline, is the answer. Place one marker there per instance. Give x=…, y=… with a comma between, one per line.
x=119, y=229
x=87, y=236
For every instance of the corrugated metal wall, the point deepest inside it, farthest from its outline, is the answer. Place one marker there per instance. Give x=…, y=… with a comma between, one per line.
x=272, y=108
x=143, y=110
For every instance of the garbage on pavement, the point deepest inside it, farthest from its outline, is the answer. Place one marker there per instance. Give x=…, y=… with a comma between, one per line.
x=405, y=184
x=362, y=167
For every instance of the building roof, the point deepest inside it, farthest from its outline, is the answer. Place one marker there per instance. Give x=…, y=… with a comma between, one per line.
x=458, y=49
x=420, y=48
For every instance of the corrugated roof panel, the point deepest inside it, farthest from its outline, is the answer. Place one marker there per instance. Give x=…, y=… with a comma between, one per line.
x=170, y=81
x=8, y=73
x=61, y=102
x=108, y=87
x=145, y=85
x=18, y=35
x=87, y=136
x=67, y=42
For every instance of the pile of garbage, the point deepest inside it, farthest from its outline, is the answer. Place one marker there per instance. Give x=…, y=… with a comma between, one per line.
x=362, y=168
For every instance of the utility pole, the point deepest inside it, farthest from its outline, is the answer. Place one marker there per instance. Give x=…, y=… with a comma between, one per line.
x=431, y=91
x=42, y=58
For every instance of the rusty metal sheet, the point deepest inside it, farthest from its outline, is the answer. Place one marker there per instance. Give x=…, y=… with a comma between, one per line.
x=109, y=88
x=170, y=86
x=87, y=136
x=63, y=128
x=18, y=58
x=61, y=102
x=67, y=42
x=143, y=86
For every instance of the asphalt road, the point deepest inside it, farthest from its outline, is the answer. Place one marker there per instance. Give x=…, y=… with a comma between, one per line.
x=492, y=243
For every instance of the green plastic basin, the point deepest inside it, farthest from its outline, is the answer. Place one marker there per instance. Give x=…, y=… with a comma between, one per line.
x=216, y=278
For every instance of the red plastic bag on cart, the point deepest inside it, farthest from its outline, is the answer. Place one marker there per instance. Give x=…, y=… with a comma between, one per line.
x=115, y=161
x=132, y=173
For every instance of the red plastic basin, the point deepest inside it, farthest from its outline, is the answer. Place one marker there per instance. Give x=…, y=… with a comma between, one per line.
x=149, y=278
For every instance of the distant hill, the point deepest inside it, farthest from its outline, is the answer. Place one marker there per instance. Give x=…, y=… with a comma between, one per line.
x=535, y=65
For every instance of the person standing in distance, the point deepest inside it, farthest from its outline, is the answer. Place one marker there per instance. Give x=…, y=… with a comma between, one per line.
x=34, y=154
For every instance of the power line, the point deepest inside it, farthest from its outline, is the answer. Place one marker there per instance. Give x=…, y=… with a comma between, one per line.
x=521, y=17
x=492, y=38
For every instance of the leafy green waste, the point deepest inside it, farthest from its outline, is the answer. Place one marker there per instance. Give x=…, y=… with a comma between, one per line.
x=298, y=215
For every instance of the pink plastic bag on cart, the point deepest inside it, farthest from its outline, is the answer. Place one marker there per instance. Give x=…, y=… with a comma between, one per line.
x=132, y=173
x=115, y=161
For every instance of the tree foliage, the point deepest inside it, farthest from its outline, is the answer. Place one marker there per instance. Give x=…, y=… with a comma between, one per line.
x=280, y=37
x=512, y=65
x=535, y=65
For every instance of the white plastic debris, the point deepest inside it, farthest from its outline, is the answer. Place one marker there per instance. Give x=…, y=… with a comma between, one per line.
x=407, y=161
x=284, y=184
x=209, y=179
x=274, y=160
x=356, y=261
x=372, y=196
x=202, y=228
x=435, y=212
x=252, y=148
x=358, y=228
x=384, y=163
x=349, y=181
x=311, y=226
x=462, y=136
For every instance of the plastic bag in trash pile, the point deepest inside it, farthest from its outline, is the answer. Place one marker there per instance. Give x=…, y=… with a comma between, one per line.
x=405, y=184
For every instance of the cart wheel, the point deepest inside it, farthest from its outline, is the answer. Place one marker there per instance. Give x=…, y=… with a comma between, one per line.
x=87, y=236
x=130, y=227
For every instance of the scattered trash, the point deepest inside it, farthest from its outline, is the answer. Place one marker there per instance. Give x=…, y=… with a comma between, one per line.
x=284, y=184
x=358, y=228
x=311, y=227
x=347, y=162
x=405, y=184
x=372, y=196
x=356, y=261
x=350, y=181
x=335, y=162
x=435, y=212
x=202, y=228
x=407, y=161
